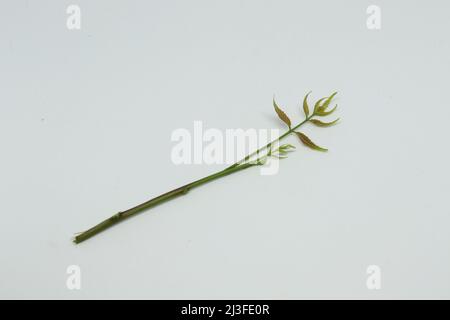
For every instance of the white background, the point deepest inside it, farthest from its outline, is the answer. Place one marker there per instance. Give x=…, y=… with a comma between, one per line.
x=85, y=123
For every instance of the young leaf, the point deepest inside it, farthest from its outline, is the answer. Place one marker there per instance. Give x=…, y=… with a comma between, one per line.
x=287, y=146
x=325, y=105
x=305, y=105
x=262, y=161
x=325, y=113
x=281, y=114
x=307, y=142
x=318, y=105
x=323, y=124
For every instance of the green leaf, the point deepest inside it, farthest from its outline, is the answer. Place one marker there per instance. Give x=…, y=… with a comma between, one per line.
x=281, y=114
x=262, y=161
x=323, y=124
x=286, y=147
x=317, y=105
x=325, y=113
x=307, y=142
x=305, y=105
x=282, y=151
x=325, y=105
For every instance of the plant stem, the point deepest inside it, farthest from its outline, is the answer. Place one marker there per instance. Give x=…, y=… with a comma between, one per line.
x=120, y=216
x=238, y=166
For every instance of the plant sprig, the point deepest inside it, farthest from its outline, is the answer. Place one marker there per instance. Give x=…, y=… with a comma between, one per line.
x=321, y=109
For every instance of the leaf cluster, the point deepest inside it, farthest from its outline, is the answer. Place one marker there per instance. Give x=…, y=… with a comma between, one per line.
x=320, y=109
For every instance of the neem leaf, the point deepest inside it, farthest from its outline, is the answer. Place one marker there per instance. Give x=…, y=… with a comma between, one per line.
x=287, y=146
x=323, y=113
x=325, y=105
x=281, y=114
x=307, y=142
x=305, y=105
x=318, y=105
x=323, y=124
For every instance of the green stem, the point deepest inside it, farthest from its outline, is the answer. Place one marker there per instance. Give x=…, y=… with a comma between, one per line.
x=120, y=216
